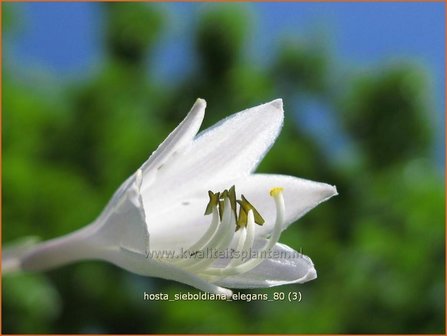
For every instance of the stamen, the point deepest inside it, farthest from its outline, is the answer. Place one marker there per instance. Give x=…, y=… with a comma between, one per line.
x=212, y=207
x=242, y=220
x=245, y=243
x=232, y=196
x=239, y=248
x=218, y=242
x=220, y=234
x=246, y=205
x=208, y=234
x=214, y=200
x=250, y=236
x=276, y=193
x=221, y=209
x=213, y=230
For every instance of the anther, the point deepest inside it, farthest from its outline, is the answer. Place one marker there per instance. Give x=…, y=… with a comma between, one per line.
x=214, y=200
x=247, y=206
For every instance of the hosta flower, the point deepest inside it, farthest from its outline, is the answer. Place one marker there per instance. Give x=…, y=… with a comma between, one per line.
x=194, y=212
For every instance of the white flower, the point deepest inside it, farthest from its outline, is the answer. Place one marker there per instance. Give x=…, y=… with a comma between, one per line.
x=154, y=225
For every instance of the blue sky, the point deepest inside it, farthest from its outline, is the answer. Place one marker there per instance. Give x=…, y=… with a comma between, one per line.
x=65, y=37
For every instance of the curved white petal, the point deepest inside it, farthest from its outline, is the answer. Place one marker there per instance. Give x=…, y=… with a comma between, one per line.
x=180, y=225
x=123, y=222
x=231, y=149
x=182, y=222
x=300, y=196
x=177, y=141
x=140, y=264
x=285, y=267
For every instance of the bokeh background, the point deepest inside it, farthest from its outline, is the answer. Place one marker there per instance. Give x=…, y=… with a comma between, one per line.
x=89, y=90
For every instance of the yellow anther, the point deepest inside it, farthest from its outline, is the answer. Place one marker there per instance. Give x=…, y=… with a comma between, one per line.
x=217, y=201
x=242, y=219
x=247, y=206
x=214, y=201
x=232, y=196
x=276, y=191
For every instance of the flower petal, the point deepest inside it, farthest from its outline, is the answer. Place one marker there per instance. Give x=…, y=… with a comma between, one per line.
x=181, y=222
x=177, y=141
x=140, y=264
x=285, y=267
x=123, y=222
x=178, y=226
x=232, y=148
x=300, y=196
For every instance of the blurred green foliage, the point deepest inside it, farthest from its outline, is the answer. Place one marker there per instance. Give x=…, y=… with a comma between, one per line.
x=378, y=246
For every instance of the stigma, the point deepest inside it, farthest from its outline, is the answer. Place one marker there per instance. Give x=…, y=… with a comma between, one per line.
x=231, y=217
